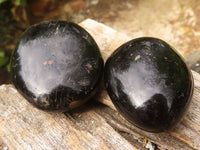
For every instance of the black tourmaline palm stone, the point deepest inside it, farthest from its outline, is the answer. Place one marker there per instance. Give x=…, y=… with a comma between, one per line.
x=56, y=65
x=149, y=83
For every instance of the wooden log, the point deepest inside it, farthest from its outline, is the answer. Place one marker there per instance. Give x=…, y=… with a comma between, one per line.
x=92, y=126
x=22, y=126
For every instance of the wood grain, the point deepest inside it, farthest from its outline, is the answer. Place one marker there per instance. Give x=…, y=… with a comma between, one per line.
x=94, y=125
x=22, y=126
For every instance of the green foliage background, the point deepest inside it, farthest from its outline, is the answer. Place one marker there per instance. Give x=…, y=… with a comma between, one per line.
x=15, y=2
x=7, y=29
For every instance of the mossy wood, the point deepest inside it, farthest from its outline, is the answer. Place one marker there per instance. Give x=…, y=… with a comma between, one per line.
x=92, y=126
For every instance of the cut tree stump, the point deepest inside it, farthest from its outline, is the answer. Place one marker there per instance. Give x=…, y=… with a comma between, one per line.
x=94, y=125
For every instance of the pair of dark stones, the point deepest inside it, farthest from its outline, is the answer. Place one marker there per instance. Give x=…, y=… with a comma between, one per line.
x=57, y=65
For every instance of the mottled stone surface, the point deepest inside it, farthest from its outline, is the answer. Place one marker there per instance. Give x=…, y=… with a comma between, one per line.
x=149, y=83
x=56, y=65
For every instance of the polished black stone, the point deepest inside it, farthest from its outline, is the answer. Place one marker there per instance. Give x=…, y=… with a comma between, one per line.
x=56, y=65
x=149, y=83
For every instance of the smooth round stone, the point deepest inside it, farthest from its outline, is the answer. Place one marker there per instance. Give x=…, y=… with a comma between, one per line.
x=56, y=65
x=149, y=83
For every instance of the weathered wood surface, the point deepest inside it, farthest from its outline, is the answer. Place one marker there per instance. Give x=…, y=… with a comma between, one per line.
x=23, y=126
x=92, y=126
